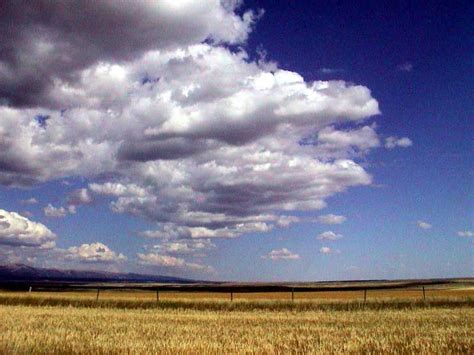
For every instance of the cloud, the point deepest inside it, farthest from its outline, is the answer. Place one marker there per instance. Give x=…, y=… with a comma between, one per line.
x=79, y=197
x=93, y=253
x=169, y=122
x=406, y=67
x=331, y=219
x=212, y=200
x=329, y=235
x=285, y=221
x=53, y=41
x=153, y=259
x=423, y=225
x=57, y=212
x=281, y=254
x=30, y=201
x=184, y=247
x=239, y=226
x=326, y=250
x=118, y=189
x=393, y=142
x=19, y=231
x=330, y=70
x=331, y=142
x=466, y=233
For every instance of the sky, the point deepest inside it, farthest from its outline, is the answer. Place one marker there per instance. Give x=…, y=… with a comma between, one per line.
x=238, y=140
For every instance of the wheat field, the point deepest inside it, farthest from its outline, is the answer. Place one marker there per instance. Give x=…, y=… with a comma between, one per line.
x=61, y=330
x=77, y=325
x=432, y=293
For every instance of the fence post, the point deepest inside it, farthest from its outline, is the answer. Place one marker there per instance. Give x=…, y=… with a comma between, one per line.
x=31, y=289
x=292, y=294
x=231, y=296
x=97, y=297
x=424, y=295
x=365, y=295
x=157, y=296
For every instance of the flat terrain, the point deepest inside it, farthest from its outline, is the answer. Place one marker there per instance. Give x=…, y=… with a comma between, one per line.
x=133, y=321
x=431, y=292
x=66, y=329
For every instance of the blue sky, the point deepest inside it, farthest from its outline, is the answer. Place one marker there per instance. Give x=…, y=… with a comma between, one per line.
x=199, y=173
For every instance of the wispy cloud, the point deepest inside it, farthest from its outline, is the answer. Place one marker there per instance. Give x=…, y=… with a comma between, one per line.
x=393, y=142
x=325, y=250
x=423, y=224
x=30, y=201
x=331, y=219
x=281, y=254
x=466, y=233
x=330, y=71
x=406, y=67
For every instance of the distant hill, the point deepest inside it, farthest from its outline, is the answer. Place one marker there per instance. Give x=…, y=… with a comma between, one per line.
x=21, y=273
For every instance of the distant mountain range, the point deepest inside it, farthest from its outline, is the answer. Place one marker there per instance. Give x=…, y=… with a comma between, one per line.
x=22, y=273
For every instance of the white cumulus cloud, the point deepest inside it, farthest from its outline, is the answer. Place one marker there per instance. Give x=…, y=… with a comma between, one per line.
x=16, y=230
x=94, y=252
x=183, y=247
x=329, y=235
x=281, y=254
x=167, y=261
x=51, y=40
x=56, y=212
x=168, y=122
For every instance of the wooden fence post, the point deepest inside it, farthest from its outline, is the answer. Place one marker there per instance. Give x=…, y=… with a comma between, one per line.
x=97, y=297
x=231, y=296
x=157, y=296
x=292, y=294
x=365, y=295
x=31, y=289
x=424, y=295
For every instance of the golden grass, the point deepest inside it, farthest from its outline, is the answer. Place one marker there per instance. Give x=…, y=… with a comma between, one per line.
x=395, y=321
x=412, y=294
x=71, y=330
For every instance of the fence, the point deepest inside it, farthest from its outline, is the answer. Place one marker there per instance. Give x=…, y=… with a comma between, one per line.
x=418, y=288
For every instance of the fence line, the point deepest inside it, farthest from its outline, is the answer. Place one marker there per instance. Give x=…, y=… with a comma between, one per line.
x=231, y=288
x=338, y=294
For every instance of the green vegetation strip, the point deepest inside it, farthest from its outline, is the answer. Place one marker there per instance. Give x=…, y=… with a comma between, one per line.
x=394, y=304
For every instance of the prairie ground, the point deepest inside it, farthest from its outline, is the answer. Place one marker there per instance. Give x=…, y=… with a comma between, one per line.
x=75, y=323
x=60, y=330
x=324, y=296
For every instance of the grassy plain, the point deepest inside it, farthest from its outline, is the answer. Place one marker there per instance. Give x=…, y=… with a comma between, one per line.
x=423, y=328
x=432, y=293
x=127, y=321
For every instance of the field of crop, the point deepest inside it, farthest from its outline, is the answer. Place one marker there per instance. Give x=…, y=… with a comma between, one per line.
x=121, y=322
x=84, y=330
x=435, y=292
